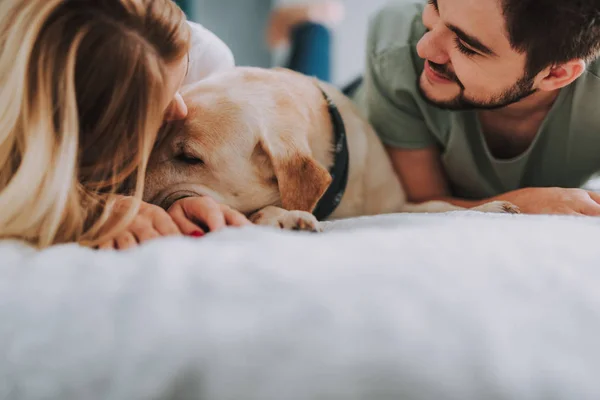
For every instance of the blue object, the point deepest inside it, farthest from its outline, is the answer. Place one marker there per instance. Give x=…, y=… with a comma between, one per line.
x=310, y=52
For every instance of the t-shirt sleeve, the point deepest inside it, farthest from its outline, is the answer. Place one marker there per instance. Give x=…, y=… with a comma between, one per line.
x=208, y=54
x=390, y=86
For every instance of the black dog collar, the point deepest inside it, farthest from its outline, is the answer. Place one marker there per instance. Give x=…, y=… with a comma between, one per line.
x=340, y=168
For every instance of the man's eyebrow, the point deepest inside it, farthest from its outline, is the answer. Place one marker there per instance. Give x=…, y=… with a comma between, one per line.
x=472, y=41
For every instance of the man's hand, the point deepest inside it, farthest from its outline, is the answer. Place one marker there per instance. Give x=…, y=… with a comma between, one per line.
x=150, y=223
x=195, y=215
x=554, y=201
x=543, y=201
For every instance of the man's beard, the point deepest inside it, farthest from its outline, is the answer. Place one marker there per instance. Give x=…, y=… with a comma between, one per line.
x=520, y=90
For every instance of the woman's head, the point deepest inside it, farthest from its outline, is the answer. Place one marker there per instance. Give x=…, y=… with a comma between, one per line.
x=84, y=88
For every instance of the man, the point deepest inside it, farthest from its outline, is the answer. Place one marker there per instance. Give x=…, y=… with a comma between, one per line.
x=489, y=99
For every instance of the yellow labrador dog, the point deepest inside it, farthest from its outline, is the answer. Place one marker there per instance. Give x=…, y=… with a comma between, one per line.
x=281, y=147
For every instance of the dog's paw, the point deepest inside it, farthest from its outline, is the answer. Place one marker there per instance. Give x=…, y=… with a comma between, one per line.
x=299, y=221
x=289, y=220
x=501, y=207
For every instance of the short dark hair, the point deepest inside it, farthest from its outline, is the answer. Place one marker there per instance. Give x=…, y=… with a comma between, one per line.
x=551, y=32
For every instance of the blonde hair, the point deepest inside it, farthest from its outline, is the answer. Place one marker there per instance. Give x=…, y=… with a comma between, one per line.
x=82, y=92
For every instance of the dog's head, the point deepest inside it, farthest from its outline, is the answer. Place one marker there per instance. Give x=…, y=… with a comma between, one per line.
x=245, y=143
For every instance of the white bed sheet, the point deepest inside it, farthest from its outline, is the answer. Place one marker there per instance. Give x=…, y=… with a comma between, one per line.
x=451, y=306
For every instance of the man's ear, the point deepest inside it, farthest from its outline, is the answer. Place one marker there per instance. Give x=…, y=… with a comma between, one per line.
x=558, y=76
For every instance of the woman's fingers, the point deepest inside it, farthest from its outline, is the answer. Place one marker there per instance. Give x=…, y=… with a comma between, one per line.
x=234, y=217
x=192, y=213
x=143, y=230
x=165, y=225
x=186, y=226
x=186, y=216
x=108, y=245
x=125, y=241
x=203, y=210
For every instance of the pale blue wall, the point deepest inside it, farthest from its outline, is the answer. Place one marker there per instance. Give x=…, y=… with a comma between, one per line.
x=240, y=24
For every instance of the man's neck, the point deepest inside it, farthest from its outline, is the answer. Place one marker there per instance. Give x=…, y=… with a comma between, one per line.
x=538, y=102
x=509, y=131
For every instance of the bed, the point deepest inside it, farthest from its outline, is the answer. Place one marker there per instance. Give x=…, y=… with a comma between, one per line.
x=452, y=306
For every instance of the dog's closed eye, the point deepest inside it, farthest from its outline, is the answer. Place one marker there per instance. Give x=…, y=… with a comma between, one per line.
x=189, y=159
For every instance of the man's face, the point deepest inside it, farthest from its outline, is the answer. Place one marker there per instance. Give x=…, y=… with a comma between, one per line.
x=469, y=61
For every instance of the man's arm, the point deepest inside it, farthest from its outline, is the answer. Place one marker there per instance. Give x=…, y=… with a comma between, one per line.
x=420, y=172
x=422, y=175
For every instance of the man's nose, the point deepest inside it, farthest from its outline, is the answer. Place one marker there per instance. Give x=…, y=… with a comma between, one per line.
x=432, y=47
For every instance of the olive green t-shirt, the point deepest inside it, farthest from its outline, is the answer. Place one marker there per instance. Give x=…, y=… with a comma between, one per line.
x=565, y=152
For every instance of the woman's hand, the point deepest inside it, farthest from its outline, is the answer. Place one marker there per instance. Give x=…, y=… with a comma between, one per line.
x=191, y=216
x=196, y=215
x=150, y=223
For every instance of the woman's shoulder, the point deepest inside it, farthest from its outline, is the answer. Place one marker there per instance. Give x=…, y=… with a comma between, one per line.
x=208, y=54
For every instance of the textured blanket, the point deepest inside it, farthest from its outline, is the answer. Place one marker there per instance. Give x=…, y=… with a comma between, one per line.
x=454, y=306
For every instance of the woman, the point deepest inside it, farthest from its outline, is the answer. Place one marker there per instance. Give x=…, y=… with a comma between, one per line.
x=85, y=86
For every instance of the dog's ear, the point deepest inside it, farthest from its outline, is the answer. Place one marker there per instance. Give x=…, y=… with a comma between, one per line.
x=301, y=179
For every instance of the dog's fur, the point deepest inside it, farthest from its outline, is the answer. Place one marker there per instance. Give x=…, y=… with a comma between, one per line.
x=261, y=142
